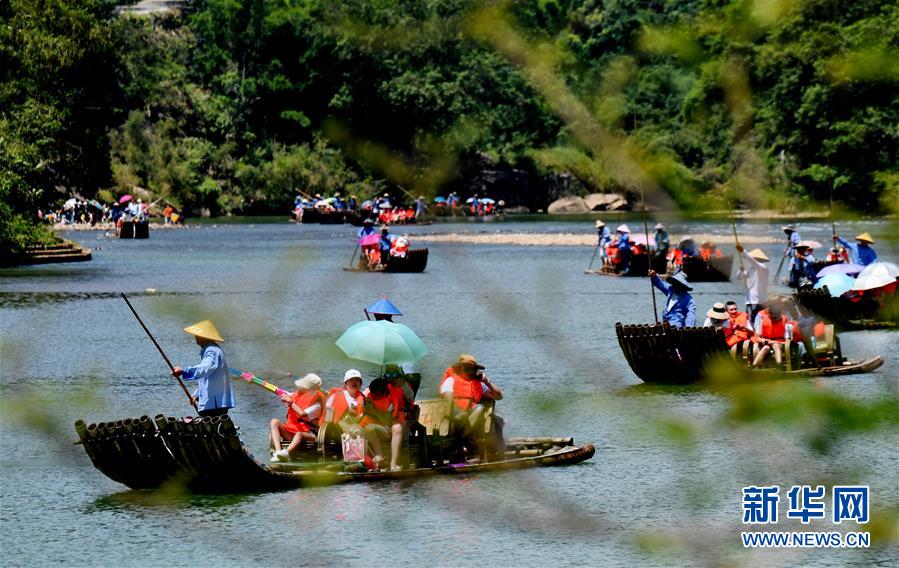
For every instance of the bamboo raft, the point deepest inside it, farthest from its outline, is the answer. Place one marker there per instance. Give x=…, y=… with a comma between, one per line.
x=208, y=456
x=717, y=269
x=696, y=269
x=840, y=311
x=416, y=260
x=134, y=230
x=639, y=267
x=314, y=215
x=659, y=353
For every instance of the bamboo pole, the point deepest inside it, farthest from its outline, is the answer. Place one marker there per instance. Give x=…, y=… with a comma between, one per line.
x=190, y=398
x=652, y=289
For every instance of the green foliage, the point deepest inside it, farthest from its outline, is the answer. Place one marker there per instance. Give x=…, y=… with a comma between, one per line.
x=223, y=107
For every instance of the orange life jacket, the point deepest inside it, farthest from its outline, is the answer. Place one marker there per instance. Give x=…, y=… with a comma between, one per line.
x=466, y=392
x=776, y=330
x=385, y=411
x=340, y=406
x=735, y=336
x=304, y=400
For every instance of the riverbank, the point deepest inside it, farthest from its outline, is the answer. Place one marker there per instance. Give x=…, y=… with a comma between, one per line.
x=110, y=226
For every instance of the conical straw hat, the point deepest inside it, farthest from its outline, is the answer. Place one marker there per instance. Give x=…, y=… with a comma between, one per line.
x=759, y=255
x=205, y=329
x=865, y=237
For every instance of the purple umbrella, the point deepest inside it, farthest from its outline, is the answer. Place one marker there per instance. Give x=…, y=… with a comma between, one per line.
x=125, y=198
x=842, y=268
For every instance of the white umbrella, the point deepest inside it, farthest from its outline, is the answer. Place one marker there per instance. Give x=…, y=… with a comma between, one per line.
x=69, y=204
x=876, y=275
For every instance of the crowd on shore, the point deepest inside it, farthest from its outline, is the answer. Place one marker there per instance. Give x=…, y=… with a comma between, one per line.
x=90, y=215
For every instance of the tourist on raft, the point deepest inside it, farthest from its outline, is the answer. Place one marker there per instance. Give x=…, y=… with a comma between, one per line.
x=383, y=419
x=716, y=316
x=344, y=405
x=754, y=272
x=214, y=395
x=861, y=251
x=470, y=392
x=738, y=330
x=304, y=411
x=772, y=330
x=802, y=274
x=680, y=309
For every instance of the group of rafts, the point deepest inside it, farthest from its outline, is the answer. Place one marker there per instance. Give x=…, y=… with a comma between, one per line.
x=778, y=335
x=344, y=434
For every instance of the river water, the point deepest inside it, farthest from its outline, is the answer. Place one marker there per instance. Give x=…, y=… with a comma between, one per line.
x=663, y=489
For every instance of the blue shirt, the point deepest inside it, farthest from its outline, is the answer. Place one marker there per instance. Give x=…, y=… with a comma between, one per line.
x=386, y=242
x=624, y=242
x=680, y=309
x=213, y=381
x=861, y=252
x=663, y=242
x=604, y=236
x=365, y=231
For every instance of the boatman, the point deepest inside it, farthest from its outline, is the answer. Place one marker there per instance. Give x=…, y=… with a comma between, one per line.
x=793, y=239
x=214, y=395
x=755, y=273
x=862, y=252
x=680, y=310
x=663, y=241
x=603, y=238
x=802, y=274
x=624, y=247
x=383, y=309
x=367, y=228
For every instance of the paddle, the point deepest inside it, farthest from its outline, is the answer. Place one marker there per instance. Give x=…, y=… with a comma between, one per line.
x=161, y=352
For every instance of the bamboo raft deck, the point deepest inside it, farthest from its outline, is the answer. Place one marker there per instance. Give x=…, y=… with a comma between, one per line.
x=659, y=353
x=208, y=455
x=843, y=313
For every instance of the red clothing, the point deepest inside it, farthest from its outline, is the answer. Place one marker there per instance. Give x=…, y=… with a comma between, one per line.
x=303, y=400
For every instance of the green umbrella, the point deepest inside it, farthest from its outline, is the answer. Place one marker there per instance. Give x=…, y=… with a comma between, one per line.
x=382, y=342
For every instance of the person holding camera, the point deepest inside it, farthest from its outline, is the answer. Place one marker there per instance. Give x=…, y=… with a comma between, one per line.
x=470, y=390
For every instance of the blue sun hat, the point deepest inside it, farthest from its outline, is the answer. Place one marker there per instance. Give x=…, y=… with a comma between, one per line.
x=384, y=307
